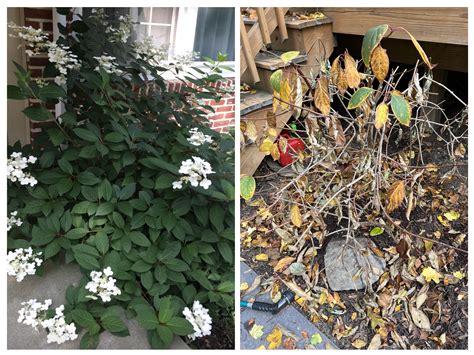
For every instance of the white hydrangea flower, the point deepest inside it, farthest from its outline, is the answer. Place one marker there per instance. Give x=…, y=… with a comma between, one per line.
x=195, y=172
x=200, y=319
x=63, y=60
x=22, y=262
x=35, y=39
x=13, y=221
x=16, y=165
x=198, y=138
x=33, y=312
x=146, y=50
x=102, y=285
x=123, y=32
x=106, y=62
x=58, y=330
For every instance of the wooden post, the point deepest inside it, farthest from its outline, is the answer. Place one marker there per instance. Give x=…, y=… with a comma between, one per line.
x=262, y=22
x=437, y=93
x=281, y=23
x=248, y=52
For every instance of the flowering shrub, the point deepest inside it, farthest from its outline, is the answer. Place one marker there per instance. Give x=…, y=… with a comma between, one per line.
x=110, y=195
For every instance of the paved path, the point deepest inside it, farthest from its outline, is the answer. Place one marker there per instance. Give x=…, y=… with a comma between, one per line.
x=290, y=320
x=53, y=285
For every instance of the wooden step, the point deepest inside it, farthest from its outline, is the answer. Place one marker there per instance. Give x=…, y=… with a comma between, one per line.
x=270, y=60
x=252, y=102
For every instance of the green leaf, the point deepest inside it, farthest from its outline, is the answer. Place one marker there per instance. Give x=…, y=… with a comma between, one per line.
x=118, y=219
x=141, y=266
x=114, y=137
x=376, y=231
x=86, y=134
x=189, y=294
x=38, y=113
x=226, y=251
x=165, y=312
x=15, y=93
x=105, y=209
x=401, y=108
x=87, y=178
x=76, y=233
x=275, y=80
x=247, y=187
x=127, y=192
x=226, y=286
x=87, y=261
x=139, y=238
x=180, y=326
x=216, y=216
x=51, y=249
x=201, y=277
x=359, y=97
x=146, y=316
x=81, y=208
x=113, y=323
x=51, y=91
x=102, y=242
x=86, y=320
x=371, y=40
x=165, y=334
x=89, y=341
x=176, y=264
x=79, y=26
x=316, y=339
x=105, y=190
x=155, y=163
x=147, y=280
x=65, y=166
x=289, y=56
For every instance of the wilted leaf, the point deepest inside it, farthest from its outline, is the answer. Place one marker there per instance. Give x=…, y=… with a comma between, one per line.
x=255, y=283
x=261, y=257
x=271, y=119
x=419, y=49
x=375, y=343
x=283, y=144
x=321, y=96
x=350, y=71
x=431, y=274
x=316, y=339
x=298, y=98
x=297, y=269
x=274, y=338
x=275, y=152
x=336, y=131
x=419, y=318
x=359, y=343
x=376, y=231
x=283, y=263
x=295, y=216
x=275, y=80
x=266, y=146
x=459, y=275
x=247, y=187
x=289, y=343
x=359, y=97
x=452, y=215
x=256, y=331
x=289, y=56
x=251, y=131
x=381, y=115
x=395, y=195
x=379, y=63
x=285, y=93
x=371, y=40
x=401, y=108
x=244, y=286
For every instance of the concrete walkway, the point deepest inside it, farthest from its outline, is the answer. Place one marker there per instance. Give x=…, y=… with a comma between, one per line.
x=53, y=285
x=290, y=321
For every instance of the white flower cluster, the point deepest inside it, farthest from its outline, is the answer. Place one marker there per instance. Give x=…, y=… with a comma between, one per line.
x=194, y=171
x=200, y=319
x=123, y=32
x=198, y=138
x=16, y=165
x=146, y=50
x=103, y=285
x=13, y=221
x=106, y=62
x=35, y=39
x=58, y=330
x=63, y=60
x=34, y=313
x=22, y=262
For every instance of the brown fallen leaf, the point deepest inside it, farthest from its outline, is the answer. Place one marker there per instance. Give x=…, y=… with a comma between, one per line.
x=375, y=343
x=283, y=263
x=289, y=343
x=395, y=195
x=420, y=319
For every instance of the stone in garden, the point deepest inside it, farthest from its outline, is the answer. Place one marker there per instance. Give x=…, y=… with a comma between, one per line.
x=349, y=265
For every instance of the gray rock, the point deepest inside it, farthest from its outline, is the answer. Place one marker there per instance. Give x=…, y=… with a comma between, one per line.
x=53, y=285
x=350, y=265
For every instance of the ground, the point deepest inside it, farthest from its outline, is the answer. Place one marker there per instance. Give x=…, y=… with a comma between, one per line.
x=403, y=304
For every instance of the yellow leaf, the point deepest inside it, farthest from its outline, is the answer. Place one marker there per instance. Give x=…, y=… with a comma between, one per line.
x=261, y=257
x=321, y=96
x=323, y=298
x=443, y=221
x=295, y=216
x=289, y=56
x=256, y=331
x=359, y=343
x=431, y=274
x=379, y=63
x=381, y=115
x=251, y=131
x=283, y=263
x=419, y=49
x=261, y=347
x=275, y=152
x=452, y=215
x=335, y=70
x=396, y=194
x=283, y=144
x=274, y=338
x=316, y=339
x=285, y=93
x=244, y=286
x=459, y=275
x=266, y=146
x=351, y=72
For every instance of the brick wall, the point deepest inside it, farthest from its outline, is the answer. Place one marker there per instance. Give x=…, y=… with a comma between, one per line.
x=221, y=121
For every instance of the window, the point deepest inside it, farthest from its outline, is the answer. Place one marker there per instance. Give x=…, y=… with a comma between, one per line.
x=156, y=22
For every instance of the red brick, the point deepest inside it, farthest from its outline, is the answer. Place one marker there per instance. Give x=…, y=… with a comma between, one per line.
x=220, y=123
x=216, y=103
x=230, y=115
x=224, y=109
x=216, y=117
x=230, y=100
x=38, y=13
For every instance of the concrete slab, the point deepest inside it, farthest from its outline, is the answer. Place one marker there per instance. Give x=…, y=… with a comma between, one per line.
x=290, y=320
x=53, y=285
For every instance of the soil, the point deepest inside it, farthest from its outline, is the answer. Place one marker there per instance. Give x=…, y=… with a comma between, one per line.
x=222, y=336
